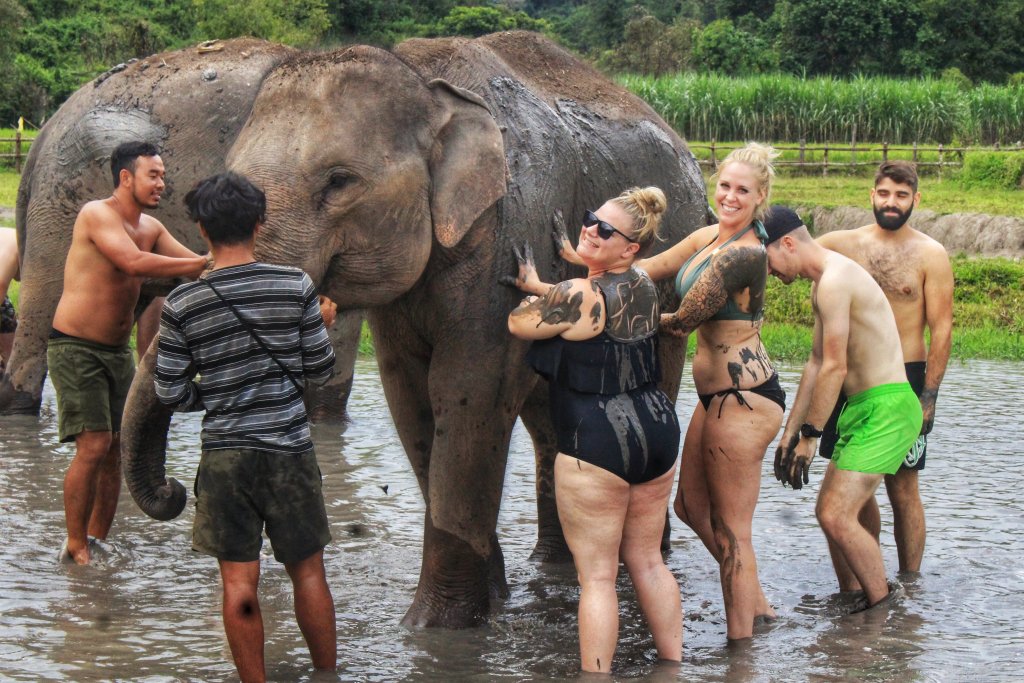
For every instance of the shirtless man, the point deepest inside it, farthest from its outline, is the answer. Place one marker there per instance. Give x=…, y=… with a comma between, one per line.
x=914, y=273
x=8, y=272
x=113, y=247
x=856, y=349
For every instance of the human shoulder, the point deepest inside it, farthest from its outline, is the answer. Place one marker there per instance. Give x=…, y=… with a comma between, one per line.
x=843, y=241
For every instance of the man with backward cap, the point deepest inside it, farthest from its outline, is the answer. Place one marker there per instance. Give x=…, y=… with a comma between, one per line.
x=856, y=349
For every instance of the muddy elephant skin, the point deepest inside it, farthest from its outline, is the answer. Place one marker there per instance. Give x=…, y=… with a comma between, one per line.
x=190, y=102
x=400, y=182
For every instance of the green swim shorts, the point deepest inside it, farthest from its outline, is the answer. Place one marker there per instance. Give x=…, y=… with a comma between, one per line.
x=877, y=428
x=91, y=381
x=238, y=491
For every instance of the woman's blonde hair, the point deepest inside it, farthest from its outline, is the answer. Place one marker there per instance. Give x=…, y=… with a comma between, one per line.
x=759, y=158
x=645, y=205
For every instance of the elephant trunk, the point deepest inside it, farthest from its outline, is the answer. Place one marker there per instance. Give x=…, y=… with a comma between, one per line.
x=144, y=446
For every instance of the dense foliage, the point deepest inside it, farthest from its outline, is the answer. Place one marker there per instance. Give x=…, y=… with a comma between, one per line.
x=48, y=48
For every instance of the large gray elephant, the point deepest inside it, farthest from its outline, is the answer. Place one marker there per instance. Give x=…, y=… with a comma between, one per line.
x=193, y=103
x=400, y=182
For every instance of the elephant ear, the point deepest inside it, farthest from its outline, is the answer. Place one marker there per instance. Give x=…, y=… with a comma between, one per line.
x=467, y=163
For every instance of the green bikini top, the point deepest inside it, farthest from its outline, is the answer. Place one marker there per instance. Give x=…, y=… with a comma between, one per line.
x=731, y=311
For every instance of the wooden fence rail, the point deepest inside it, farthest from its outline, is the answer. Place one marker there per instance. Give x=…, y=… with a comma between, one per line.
x=21, y=146
x=944, y=156
x=922, y=156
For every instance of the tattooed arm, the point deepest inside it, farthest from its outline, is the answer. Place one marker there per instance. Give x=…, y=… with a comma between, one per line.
x=730, y=271
x=573, y=309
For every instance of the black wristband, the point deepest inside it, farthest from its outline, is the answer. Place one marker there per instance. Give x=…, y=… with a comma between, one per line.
x=808, y=430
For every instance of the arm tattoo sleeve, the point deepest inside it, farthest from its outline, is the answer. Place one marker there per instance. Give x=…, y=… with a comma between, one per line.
x=731, y=271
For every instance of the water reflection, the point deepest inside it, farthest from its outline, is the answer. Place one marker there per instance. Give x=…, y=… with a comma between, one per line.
x=150, y=609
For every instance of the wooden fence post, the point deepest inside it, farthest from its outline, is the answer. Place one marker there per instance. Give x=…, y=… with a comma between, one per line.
x=17, y=152
x=714, y=163
x=803, y=145
x=940, y=161
x=915, y=151
x=885, y=152
x=824, y=161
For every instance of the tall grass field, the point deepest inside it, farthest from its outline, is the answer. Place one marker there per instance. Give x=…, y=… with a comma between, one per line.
x=783, y=107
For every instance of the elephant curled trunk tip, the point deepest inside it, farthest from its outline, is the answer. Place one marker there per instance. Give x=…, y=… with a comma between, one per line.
x=144, y=447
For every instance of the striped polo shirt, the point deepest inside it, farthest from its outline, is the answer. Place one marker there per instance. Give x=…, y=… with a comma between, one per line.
x=208, y=360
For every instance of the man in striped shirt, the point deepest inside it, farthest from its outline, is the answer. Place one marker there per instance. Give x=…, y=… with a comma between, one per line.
x=240, y=344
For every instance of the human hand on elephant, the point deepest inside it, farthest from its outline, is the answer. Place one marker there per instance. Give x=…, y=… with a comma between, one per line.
x=527, y=279
x=563, y=247
x=328, y=310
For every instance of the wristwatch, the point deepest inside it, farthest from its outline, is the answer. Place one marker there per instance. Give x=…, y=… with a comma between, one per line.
x=808, y=430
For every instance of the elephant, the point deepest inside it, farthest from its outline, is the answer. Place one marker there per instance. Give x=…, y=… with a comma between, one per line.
x=192, y=102
x=400, y=181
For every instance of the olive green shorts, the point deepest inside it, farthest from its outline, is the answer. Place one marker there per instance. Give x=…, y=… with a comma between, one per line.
x=238, y=491
x=877, y=428
x=91, y=382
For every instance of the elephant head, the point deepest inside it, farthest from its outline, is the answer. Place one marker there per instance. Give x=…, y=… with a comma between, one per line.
x=368, y=170
x=366, y=166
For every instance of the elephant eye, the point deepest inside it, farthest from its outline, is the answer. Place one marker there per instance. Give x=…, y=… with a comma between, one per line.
x=339, y=179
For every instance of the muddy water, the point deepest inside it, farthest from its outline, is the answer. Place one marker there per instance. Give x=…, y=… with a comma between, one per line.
x=149, y=609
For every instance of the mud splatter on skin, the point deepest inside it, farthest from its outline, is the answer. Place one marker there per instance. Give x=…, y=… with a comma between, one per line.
x=748, y=356
x=559, y=305
x=729, y=551
x=629, y=291
x=735, y=373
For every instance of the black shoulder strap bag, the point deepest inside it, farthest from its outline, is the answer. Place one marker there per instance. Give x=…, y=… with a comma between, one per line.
x=255, y=336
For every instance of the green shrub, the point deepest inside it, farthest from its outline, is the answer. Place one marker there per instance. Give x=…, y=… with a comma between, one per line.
x=956, y=76
x=1016, y=80
x=998, y=170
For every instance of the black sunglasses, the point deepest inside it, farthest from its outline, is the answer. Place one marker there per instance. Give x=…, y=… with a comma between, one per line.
x=604, y=229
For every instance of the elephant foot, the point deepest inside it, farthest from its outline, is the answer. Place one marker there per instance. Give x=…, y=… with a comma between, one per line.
x=551, y=551
x=436, y=611
x=455, y=583
x=16, y=402
x=497, y=584
x=328, y=404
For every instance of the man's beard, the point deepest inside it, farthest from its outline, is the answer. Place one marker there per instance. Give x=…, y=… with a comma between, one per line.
x=892, y=222
x=145, y=202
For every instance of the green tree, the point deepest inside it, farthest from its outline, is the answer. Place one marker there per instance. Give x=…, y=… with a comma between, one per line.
x=651, y=47
x=478, y=21
x=843, y=37
x=295, y=22
x=721, y=47
x=982, y=39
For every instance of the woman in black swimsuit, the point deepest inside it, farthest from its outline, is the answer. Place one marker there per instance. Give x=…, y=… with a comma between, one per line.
x=720, y=273
x=618, y=435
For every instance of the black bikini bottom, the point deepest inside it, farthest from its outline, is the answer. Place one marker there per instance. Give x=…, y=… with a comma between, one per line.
x=770, y=389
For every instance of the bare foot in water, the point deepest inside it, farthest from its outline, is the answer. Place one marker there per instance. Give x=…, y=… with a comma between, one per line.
x=75, y=556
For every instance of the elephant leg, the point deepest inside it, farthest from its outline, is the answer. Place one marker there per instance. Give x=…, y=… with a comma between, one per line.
x=672, y=352
x=328, y=402
x=21, y=387
x=536, y=416
x=455, y=425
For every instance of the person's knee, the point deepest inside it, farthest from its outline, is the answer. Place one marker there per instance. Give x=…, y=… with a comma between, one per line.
x=94, y=446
